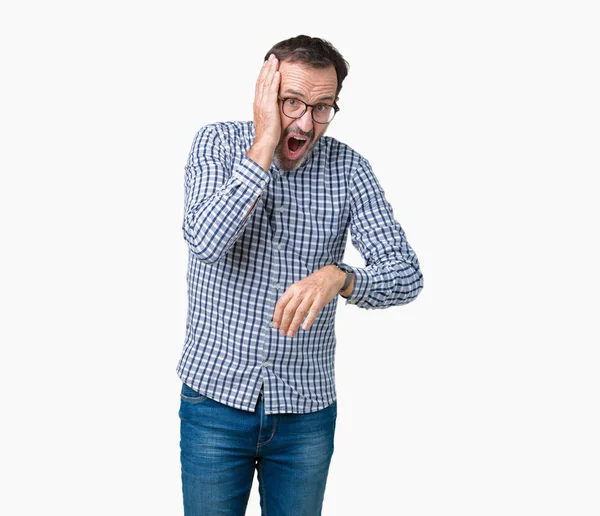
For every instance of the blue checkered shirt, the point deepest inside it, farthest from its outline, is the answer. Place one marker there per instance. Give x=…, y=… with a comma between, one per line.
x=251, y=234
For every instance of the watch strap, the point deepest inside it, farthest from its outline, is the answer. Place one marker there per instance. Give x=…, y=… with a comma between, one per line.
x=349, y=274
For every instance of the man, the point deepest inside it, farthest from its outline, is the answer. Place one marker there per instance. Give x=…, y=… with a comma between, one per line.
x=268, y=205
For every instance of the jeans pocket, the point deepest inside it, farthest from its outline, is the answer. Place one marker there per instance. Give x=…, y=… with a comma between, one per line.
x=190, y=395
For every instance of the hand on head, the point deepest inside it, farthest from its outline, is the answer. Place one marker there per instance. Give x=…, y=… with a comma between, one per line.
x=266, y=113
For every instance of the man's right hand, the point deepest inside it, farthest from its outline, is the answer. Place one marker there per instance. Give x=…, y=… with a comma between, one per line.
x=266, y=114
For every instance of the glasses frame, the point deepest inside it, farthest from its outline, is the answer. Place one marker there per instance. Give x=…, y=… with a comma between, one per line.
x=306, y=106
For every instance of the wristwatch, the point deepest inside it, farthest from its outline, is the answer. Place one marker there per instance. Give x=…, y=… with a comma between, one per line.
x=349, y=274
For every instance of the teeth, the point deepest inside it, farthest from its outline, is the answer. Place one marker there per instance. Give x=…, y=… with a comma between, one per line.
x=299, y=139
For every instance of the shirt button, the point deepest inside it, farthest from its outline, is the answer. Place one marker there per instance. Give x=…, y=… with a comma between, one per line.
x=271, y=324
x=281, y=208
x=279, y=247
x=266, y=363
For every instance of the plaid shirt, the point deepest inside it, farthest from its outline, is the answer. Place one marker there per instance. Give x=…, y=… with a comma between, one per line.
x=251, y=234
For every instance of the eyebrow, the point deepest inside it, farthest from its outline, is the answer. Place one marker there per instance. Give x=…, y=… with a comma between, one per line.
x=300, y=94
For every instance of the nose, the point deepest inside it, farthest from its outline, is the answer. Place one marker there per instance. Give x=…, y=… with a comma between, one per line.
x=305, y=122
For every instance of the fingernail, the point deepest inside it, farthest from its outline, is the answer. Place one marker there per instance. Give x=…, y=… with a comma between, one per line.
x=275, y=325
x=290, y=334
x=271, y=57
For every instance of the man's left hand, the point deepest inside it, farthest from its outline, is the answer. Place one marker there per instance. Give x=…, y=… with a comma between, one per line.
x=306, y=298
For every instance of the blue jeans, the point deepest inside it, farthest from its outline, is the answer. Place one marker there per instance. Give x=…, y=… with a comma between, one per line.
x=222, y=446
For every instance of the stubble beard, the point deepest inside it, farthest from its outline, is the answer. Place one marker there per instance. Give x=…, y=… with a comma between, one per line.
x=289, y=165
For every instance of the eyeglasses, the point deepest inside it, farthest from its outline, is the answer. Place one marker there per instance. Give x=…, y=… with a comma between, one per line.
x=321, y=113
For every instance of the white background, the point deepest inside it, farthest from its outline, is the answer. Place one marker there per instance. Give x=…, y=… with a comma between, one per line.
x=481, y=120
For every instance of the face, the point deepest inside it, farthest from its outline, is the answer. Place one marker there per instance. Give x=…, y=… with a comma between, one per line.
x=299, y=135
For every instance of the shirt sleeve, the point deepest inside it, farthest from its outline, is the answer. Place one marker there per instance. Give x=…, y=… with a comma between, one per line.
x=219, y=195
x=392, y=275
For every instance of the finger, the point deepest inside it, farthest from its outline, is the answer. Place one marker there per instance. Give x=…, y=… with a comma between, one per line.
x=274, y=65
x=279, y=307
x=261, y=78
x=268, y=71
x=310, y=318
x=301, y=312
x=264, y=77
x=274, y=86
x=288, y=314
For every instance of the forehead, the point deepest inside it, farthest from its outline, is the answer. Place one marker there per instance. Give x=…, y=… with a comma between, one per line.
x=311, y=82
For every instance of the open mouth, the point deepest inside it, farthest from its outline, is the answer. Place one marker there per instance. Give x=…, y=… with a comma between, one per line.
x=294, y=146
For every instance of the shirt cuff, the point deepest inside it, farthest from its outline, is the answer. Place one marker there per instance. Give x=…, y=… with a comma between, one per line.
x=361, y=286
x=253, y=175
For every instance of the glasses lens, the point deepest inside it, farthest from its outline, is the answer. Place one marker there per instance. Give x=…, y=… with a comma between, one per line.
x=323, y=113
x=294, y=108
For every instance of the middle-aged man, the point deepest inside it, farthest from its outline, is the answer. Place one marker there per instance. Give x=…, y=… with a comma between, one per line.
x=268, y=205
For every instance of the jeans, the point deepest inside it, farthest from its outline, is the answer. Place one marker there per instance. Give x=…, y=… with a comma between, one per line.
x=222, y=446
